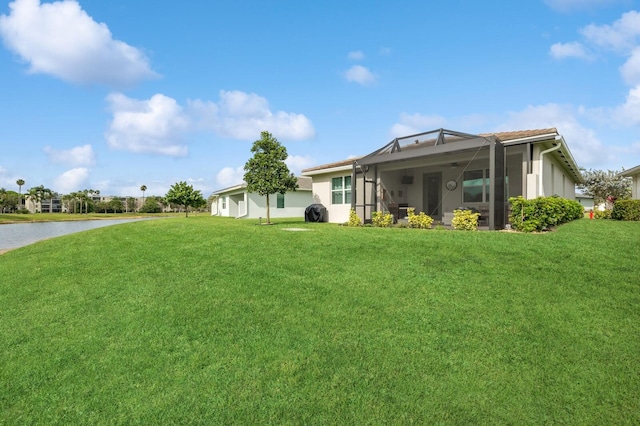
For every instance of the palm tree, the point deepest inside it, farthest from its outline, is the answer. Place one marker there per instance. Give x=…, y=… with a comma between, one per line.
x=47, y=193
x=143, y=188
x=20, y=182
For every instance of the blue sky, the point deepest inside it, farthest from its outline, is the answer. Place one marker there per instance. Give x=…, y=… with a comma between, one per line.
x=113, y=95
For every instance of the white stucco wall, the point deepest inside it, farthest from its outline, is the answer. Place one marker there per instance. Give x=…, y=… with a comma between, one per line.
x=556, y=180
x=253, y=205
x=635, y=186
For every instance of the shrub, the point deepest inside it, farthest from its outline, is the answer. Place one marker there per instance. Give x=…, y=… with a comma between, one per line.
x=543, y=212
x=626, y=210
x=382, y=220
x=354, y=219
x=420, y=221
x=602, y=214
x=465, y=220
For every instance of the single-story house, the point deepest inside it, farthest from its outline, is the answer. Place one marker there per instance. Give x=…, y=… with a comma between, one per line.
x=442, y=170
x=586, y=201
x=236, y=202
x=634, y=174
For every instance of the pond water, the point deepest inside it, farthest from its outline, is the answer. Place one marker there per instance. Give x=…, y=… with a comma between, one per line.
x=16, y=235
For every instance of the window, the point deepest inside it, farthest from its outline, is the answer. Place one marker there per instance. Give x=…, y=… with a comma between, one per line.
x=280, y=201
x=341, y=190
x=224, y=203
x=474, y=185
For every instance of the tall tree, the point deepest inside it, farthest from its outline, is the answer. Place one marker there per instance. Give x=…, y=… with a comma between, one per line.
x=184, y=195
x=20, y=182
x=266, y=172
x=604, y=185
x=3, y=194
x=143, y=188
x=10, y=200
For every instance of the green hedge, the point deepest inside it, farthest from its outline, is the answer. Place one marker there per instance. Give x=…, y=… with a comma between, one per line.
x=626, y=210
x=543, y=213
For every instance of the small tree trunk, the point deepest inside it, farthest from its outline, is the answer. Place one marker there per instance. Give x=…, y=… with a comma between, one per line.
x=268, y=212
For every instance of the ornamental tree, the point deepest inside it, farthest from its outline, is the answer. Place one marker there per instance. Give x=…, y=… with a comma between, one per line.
x=604, y=185
x=266, y=172
x=184, y=195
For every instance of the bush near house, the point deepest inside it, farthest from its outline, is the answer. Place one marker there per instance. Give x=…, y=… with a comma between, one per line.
x=543, y=212
x=420, y=221
x=626, y=210
x=602, y=214
x=354, y=219
x=382, y=220
x=465, y=220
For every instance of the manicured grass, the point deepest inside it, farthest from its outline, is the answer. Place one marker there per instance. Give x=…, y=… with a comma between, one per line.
x=214, y=321
x=57, y=217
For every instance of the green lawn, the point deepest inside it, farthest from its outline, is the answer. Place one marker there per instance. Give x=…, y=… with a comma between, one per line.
x=56, y=217
x=214, y=321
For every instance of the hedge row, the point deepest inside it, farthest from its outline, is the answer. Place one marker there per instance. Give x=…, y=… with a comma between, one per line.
x=626, y=210
x=542, y=213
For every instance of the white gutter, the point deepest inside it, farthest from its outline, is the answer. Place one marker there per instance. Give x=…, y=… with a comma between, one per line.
x=553, y=148
x=536, y=138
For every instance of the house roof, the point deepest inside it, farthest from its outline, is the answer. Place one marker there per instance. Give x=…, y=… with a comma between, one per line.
x=304, y=184
x=631, y=172
x=441, y=137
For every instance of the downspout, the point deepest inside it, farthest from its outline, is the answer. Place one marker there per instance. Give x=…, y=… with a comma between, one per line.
x=540, y=183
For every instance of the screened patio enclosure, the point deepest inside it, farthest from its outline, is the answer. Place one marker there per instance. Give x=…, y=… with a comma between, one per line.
x=433, y=172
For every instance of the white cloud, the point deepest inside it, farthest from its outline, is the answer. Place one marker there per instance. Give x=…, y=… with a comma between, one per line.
x=361, y=75
x=416, y=123
x=156, y=125
x=159, y=125
x=569, y=50
x=77, y=156
x=230, y=176
x=356, y=55
x=243, y=116
x=629, y=112
x=62, y=40
x=296, y=163
x=71, y=180
x=585, y=146
x=630, y=70
x=620, y=37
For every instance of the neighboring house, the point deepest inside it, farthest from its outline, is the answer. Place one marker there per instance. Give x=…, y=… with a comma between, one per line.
x=586, y=201
x=634, y=174
x=442, y=170
x=236, y=202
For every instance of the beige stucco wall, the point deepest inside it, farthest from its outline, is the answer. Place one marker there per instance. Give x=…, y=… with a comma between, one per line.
x=337, y=213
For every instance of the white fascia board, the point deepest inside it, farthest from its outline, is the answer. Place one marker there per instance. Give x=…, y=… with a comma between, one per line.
x=328, y=170
x=632, y=171
x=236, y=188
x=531, y=139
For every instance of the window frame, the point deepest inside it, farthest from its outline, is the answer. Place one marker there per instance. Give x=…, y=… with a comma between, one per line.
x=341, y=187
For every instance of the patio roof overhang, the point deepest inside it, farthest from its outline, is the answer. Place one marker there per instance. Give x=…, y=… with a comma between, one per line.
x=435, y=143
x=428, y=144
